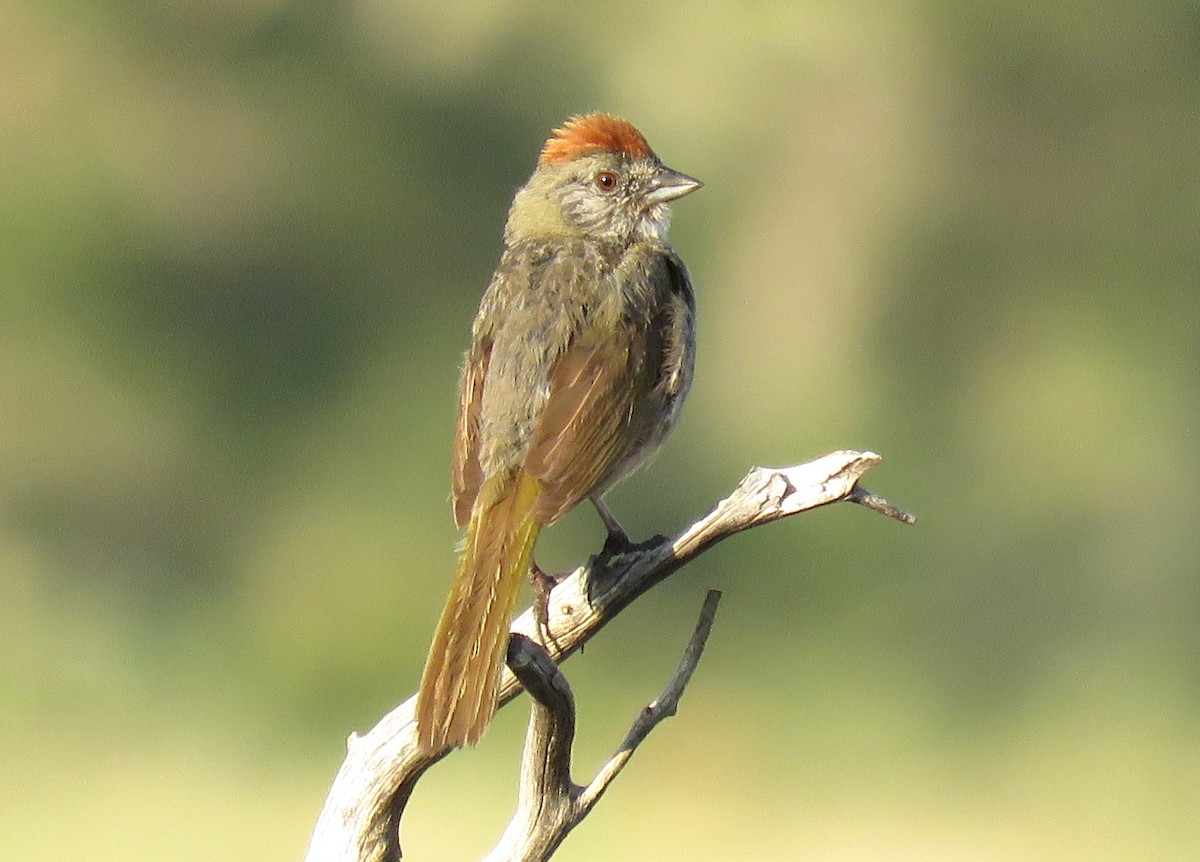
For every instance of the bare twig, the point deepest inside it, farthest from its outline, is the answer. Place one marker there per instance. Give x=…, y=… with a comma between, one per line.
x=361, y=816
x=663, y=706
x=550, y=804
x=876, y=503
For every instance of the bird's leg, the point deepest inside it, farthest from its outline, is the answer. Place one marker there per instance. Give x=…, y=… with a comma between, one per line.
x=543, y=582
x=618, y=540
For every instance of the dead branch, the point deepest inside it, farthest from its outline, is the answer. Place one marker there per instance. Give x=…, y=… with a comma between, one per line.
x=360, y=821
x=549, y=803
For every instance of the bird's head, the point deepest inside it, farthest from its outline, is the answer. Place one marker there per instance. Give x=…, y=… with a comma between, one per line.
x=598, y=177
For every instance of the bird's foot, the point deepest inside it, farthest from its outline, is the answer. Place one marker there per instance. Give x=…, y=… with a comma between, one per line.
x=617, y=543
x=543, y=582
x=619, y=551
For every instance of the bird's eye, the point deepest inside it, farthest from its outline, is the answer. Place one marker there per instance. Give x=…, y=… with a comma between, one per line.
x=606, y=181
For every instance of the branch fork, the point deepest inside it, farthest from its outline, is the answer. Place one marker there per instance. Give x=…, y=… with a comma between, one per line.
x=361, y=817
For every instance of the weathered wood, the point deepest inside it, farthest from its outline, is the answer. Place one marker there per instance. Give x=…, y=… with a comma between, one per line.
x=361, y=817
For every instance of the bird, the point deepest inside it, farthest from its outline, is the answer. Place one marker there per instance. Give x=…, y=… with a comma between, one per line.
x=581, y=355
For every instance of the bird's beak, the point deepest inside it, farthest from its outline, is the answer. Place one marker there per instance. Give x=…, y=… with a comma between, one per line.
x=669, y=185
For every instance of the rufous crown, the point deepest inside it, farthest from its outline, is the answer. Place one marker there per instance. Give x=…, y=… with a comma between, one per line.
x=589, y=133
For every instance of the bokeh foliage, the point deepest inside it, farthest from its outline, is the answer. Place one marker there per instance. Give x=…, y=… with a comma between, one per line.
x=242, y=242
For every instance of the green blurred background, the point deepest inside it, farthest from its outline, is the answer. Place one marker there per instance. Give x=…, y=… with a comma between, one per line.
x=241, y=243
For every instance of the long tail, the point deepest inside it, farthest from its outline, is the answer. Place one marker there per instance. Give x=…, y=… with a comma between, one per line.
x=462, y=674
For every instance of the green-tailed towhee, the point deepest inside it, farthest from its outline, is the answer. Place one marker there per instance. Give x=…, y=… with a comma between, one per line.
x=580, y=359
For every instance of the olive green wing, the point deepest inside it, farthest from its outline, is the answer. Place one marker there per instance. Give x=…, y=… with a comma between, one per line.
x=593, y=420
x=467, y=474
x=613, y=394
